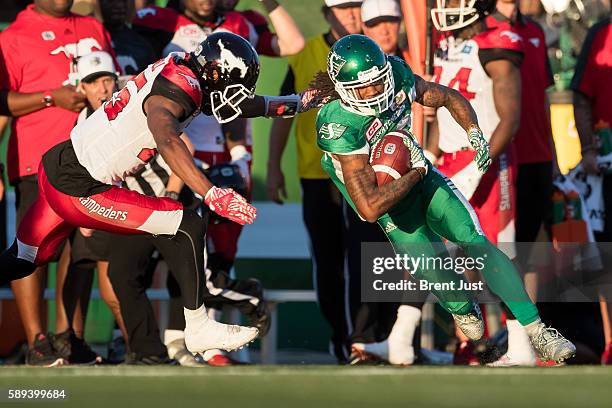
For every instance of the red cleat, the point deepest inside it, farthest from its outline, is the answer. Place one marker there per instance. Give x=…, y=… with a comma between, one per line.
x=606, y=356
x=221, y=360
x=464, y=355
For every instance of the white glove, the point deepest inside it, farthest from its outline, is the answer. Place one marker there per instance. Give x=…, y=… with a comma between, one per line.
x=241, y=158
x=467, y=179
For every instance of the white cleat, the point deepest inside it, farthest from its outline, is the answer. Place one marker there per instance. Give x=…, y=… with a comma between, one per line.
x=471, y=324
x=210, y=334
x=508, y=360
x=549, y=344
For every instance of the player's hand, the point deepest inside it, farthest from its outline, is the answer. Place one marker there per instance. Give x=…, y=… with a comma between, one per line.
x=241, y=158
x=589, y=162
x=311, y=99
x=231, y=205
x=483, y=150
x=417, y=157
x=68, y=98
x=275, y=184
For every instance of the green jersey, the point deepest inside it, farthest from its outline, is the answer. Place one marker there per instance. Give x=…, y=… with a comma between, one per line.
x=343, y=130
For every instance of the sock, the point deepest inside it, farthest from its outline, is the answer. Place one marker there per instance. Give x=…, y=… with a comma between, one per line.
x=519, y=346
x=401, y=337
x=208, y=354
x=503, y=280
x=532, y=327
x=193, y=317
x=171, y=335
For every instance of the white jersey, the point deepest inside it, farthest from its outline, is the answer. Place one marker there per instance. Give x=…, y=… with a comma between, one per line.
x=115, y=141
x=458, y=64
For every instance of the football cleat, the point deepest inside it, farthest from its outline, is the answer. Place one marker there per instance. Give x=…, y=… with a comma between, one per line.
x=508, y=360
x=178, y=352
x=465, y=355
x=360, y=356
x=471, y=324
x=549, y=344
x=221, y=360
x=606, y=356
x=210, y=334
x=43, y=354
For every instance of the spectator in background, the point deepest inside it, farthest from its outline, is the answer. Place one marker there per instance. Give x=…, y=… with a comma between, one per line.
x=381, y=21
x=133, y=52
x=88, y=249
x=535, y=157
x=593, y=114
x=284, y=41
x=321, y=201
x=39, y=52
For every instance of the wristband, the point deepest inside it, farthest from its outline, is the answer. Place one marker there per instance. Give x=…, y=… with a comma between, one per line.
x=420, y=171
x=282, y=106
x=172, y=194
x=48, y=99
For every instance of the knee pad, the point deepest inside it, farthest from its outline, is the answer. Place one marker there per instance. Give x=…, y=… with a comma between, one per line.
x=13, y=267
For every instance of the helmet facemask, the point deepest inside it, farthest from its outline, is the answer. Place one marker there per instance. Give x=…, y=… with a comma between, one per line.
x=453, y=18
x=375, y=105
x=225, y=105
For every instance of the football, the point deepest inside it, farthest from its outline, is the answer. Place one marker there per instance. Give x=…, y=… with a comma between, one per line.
x=390, y=157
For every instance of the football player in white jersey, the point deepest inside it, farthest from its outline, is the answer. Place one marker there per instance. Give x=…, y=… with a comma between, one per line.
x=78, y=178
x=484, y=65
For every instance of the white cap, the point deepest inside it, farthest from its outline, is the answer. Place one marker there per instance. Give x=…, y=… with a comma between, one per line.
x=343, y=3
x=94, y=65
x=373, y=11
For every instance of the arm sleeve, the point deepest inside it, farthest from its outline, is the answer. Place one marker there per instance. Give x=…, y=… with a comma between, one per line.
x=288, y=86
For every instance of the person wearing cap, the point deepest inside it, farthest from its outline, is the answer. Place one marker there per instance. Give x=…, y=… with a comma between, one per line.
x=86, y=249
x=38, y=73
x=323, y=212
x=381, y=22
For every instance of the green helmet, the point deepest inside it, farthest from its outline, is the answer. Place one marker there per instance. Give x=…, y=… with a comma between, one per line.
x=354, y=62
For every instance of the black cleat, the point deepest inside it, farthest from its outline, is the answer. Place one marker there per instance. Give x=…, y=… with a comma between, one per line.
x=74, y=350
x=42, y=353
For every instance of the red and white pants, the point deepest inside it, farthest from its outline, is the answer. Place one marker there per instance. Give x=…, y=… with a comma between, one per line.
x=54, y=215
x=494, y=199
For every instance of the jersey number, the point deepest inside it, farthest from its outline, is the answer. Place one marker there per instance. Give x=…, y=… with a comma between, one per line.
x=120, y=99
x=462, y=79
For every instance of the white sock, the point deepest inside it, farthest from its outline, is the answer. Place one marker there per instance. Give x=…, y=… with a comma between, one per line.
x=171, y=335
x=208, y=354
x=532, y=327
x=401, y=337
x=519, y=346
x=195, y=317
x=381, y=349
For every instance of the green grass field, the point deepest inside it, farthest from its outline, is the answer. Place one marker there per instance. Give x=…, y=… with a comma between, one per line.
x=316, y=386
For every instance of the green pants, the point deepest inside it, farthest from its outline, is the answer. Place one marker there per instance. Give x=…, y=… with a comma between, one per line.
x=435, y=209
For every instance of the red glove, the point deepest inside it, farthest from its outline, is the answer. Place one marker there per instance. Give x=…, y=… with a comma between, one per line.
x=231, y=205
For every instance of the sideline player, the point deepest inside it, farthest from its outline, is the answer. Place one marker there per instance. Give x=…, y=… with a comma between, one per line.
x=77, y=177
x=372, y=94
x=483, y=64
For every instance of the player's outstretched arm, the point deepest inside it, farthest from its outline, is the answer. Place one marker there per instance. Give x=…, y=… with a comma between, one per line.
x=162, y=114
x=162, y=118
x=371, y=200
x=280, y=106
x=438, y=96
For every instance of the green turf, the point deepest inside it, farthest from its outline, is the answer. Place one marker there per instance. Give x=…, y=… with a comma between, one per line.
x=316, y=386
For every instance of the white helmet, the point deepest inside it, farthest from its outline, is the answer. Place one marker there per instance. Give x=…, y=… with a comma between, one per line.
x=467, y=12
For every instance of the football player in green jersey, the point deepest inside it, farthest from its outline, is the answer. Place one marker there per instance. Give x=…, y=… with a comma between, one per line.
x=370, y=94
